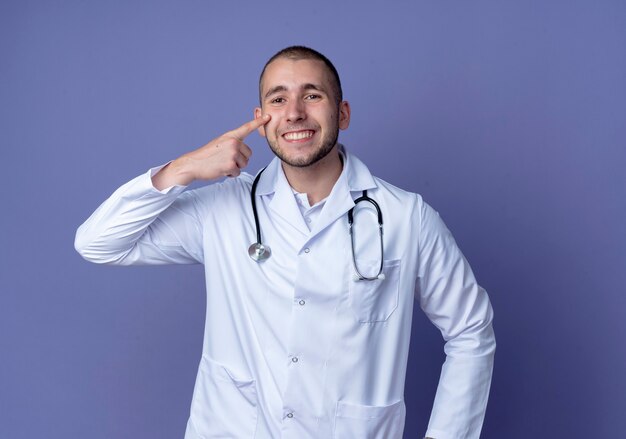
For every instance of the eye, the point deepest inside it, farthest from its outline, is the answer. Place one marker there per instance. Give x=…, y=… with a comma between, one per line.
x=277, y=101
x=312, y=97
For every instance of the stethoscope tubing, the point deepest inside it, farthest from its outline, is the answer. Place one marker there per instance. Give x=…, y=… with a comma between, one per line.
x=254, y=211
x=359, y=275
x=260, y=252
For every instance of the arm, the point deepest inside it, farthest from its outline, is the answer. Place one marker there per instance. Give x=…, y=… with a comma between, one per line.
x=224, y=156
x=460, y=308
x=136, y=225
x=149, y=220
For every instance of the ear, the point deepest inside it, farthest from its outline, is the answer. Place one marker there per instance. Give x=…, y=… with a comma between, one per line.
x=344, y=115
x=258, y=113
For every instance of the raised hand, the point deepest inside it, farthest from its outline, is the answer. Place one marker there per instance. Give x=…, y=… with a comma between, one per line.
x=225, y=155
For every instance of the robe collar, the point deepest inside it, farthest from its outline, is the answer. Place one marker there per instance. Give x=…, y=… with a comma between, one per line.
x=354, y=177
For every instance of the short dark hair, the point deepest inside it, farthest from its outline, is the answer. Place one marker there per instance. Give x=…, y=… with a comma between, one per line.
x=296, y=53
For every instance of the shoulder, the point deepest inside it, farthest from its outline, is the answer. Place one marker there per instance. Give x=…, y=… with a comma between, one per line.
x=395, y=195
x=408, y=206
x=360, y=177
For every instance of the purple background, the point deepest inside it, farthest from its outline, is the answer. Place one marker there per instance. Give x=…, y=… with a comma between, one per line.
x=508, y=117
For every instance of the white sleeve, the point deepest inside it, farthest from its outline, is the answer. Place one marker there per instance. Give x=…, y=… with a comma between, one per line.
x=139, y=224
x=460, y=308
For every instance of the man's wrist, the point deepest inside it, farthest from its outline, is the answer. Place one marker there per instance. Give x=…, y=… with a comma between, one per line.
x=174, y=173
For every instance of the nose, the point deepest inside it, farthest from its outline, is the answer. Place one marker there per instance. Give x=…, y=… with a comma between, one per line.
x=296, y=111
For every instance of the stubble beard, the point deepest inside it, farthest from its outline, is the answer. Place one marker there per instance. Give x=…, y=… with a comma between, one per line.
x=328, y=142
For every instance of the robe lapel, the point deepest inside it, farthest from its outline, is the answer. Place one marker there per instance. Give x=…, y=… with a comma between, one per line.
x=274, y=184
x=284, y=205
x=337, y=205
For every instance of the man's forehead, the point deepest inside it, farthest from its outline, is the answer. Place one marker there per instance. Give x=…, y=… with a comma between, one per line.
x=287, y=72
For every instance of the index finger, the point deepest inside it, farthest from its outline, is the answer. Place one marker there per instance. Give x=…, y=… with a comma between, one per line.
x=244, y=130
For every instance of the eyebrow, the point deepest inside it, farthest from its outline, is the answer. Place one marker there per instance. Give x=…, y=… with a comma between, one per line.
x=282, y=88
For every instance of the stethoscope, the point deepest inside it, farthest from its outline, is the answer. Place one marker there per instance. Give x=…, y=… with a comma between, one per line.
x=260, y=252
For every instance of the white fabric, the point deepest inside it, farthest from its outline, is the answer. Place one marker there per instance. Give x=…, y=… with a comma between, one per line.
x=309, y=213
x=293, y=346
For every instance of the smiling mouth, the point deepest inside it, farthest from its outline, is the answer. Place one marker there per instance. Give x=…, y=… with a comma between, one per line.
x=299, y=135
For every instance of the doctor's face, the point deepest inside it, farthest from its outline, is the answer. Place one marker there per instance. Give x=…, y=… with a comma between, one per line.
x=306, y=118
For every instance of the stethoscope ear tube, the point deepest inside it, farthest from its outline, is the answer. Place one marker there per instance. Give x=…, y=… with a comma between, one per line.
x=358, y=275
x=365, y=197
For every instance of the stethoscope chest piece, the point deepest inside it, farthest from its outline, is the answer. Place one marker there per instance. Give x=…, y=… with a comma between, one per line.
x=259, y=252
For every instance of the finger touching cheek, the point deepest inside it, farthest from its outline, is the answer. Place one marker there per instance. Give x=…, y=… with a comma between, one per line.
x=258, y=113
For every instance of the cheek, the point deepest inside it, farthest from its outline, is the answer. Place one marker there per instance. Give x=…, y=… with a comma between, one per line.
x=272, y=125
x=270, y=130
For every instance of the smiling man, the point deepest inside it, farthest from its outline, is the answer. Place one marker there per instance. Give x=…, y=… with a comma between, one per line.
x=309, y=336
x=314, y=119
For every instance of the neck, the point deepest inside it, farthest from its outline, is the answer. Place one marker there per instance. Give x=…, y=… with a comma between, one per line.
x=318, y=179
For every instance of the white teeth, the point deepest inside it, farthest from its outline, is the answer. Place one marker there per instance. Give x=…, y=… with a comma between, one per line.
x=298, y=135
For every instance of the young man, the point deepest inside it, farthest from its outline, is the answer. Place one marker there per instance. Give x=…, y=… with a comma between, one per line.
x=307, y=332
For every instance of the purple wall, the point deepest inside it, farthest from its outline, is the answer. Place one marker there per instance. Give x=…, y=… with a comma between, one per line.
x=509, y=117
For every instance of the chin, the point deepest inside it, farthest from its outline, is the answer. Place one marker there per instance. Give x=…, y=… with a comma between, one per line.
x=289, y=155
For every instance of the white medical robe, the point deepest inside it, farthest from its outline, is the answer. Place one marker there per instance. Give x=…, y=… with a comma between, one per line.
x=294, y=347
